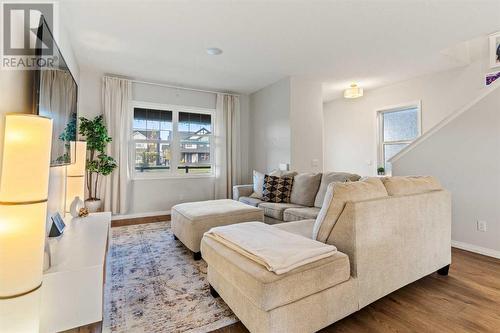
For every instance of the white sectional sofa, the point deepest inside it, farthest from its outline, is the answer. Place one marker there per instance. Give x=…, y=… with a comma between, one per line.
x=308, y=192
x=388, y=232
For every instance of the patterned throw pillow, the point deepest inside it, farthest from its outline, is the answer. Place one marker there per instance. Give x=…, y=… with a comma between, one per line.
x=277, y=189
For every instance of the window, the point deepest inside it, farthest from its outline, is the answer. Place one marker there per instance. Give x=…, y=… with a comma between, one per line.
x=195, y=132
x=172, y=140
x=398, y=127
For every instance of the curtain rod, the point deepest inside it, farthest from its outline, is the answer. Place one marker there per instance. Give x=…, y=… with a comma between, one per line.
x=177, y=87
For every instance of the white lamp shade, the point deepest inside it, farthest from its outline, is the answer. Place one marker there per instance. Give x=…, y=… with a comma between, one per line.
x=23, y=202
x=22, y=237
x=26, y=158
x=75, y=173
x=78, y=157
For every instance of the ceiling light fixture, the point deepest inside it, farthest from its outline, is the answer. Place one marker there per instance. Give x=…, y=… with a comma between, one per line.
x=214, y=51
x=353, y=92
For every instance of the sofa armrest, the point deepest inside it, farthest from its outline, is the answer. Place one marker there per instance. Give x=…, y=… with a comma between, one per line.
x=394, y=241
x=242, y=191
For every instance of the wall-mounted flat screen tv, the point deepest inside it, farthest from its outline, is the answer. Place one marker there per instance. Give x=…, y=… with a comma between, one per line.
x=56, y=95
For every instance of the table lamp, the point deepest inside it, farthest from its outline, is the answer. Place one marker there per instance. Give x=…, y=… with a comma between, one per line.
x=23, y=202
x=75, y=173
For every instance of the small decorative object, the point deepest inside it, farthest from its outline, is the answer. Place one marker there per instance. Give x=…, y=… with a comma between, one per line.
x=381, y=171
x=57, y=226
x=75, y=206
x=491, y=77
x=83, y=212
x=98, y=163
x=495, y=50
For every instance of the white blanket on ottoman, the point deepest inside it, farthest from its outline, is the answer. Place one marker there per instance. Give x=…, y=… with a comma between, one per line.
x=277, y=250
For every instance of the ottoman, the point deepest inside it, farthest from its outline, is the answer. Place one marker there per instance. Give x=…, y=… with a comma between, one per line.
x=191, y=220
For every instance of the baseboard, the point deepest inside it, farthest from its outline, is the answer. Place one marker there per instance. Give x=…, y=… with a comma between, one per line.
x=476, y=249
x=132, y=219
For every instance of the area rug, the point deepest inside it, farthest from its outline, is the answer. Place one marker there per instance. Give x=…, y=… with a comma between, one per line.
x=154, y=285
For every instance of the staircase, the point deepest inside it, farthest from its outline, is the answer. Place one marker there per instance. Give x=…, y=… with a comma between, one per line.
x=463, y=152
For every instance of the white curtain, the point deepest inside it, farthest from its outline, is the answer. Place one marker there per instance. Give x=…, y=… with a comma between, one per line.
x=116, y=98
x=227, y=145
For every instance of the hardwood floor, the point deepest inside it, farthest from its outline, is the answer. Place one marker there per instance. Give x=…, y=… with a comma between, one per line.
x=139, y=220
x=467, y=300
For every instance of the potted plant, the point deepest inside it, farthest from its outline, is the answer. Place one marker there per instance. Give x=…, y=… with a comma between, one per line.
x=381, y=171
x=98, y=163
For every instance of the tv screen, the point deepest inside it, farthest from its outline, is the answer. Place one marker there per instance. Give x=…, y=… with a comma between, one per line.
x=56, y=96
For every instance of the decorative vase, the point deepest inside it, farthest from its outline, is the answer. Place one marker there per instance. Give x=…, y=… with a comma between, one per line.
x=93, y=205
x=75, y=206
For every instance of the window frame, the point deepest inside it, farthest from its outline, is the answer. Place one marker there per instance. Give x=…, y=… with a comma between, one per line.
x=380, y=128
x=174, y=143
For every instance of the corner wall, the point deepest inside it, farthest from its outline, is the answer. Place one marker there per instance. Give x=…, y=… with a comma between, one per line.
x=286, y=126
x=270, y=126
x=306, y=124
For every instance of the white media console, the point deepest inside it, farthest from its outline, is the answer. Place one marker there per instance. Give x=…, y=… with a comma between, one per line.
x=72, y=289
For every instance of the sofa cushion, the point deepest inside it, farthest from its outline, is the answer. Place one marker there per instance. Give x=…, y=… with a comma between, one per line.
x=302, y=213
x=338, y=194
x=305, y=187
x=303, y=227
x=258, y=184
x=275, y=210
x=410, y=184
x=250, y=201
x=258, y=181
x=330, y=177
x=277, y=189
x=267, y=290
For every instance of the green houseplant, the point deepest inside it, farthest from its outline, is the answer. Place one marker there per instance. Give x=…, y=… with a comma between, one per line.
x=381, y=171
x=98, y=163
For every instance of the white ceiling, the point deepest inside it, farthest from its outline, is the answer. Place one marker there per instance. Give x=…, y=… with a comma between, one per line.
x=373, y=42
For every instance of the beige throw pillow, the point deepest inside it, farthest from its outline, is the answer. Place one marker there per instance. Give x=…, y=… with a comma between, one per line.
x=399, y=185
x=305, y=187
x=331, y=177
x=337, y=195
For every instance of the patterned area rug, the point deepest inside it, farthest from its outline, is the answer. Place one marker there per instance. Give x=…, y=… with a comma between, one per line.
x=154, y=285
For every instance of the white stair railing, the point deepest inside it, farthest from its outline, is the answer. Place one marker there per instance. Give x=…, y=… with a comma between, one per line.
x=484, y=92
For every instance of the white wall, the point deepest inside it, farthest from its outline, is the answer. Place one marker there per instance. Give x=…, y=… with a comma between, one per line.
x=464, y=155
x=286, y=120
x=160, y=195
x=270, y=138
x=350, y=128
x=306, y=124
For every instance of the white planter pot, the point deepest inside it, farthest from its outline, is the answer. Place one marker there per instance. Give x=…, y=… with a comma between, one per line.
x=93, y=205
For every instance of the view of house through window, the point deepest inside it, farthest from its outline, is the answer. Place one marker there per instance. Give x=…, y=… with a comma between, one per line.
x=398, y=127
x=195, y=130
x=172, y=141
